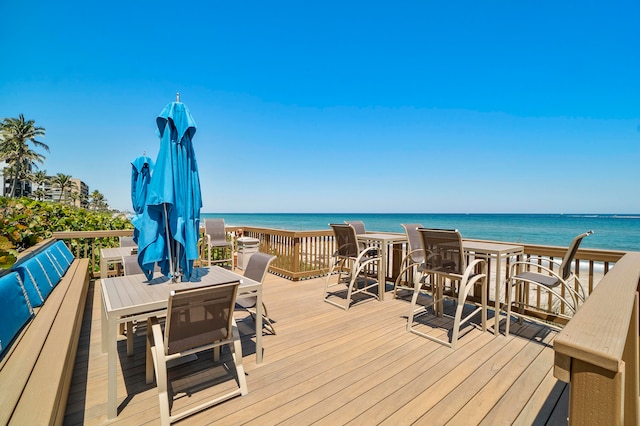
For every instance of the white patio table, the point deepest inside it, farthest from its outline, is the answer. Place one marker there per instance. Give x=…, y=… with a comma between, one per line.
x=385, y=243
x=133, y=297
x=499, y=252
x=113, y=255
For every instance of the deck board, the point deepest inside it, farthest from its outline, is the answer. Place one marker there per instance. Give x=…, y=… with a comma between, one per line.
x=329, y=366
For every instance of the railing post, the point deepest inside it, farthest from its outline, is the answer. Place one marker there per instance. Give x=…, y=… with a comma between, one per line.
x=597, y=352
x=587, y=382
x=296, y=254
x=632, y=367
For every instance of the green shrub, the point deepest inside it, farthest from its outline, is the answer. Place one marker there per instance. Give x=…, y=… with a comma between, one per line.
x=25, y=222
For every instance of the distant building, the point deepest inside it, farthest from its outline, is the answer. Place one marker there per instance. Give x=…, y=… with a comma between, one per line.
x=53, y=194
x=23, y=187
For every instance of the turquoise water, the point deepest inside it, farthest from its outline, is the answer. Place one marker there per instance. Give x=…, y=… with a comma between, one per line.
x=612, y=232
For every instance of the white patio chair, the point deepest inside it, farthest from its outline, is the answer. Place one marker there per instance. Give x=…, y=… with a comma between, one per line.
x=216, y=238
x=564, y=285
x=353, y=266
x=445, y=259
x=197, y=320
x=256, y=270
x=411, y=264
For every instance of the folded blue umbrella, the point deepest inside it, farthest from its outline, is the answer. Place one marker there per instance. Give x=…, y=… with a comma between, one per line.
x=141, y=169
x=170, y=224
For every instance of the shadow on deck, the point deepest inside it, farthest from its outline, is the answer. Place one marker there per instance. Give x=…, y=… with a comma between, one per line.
x=329, y=366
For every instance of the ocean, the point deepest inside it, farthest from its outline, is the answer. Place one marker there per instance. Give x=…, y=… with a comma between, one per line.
x=611, y=232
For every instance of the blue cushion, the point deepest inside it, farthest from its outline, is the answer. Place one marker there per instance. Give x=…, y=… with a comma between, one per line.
x=51, y=267
x=15, y=310
x=62, y=248
x=36, y=280
x=58, y=260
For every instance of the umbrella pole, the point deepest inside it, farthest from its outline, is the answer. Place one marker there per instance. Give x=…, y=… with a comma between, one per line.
x=173, y=272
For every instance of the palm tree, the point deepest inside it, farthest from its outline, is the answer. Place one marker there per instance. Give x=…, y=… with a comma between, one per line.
x=97, y=200
x=39, y=194
x=74, y=196
x=63, y=183
x=39, y=179
x=15, y=149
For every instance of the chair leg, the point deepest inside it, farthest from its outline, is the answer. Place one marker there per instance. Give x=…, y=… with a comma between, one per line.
x=456, y=325
x=336, y=265
x=508, y=301
x=412, y=307
x=236, y=353
x=268, y=324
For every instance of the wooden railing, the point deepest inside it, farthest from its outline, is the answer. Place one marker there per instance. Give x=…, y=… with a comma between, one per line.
x=597, y=351
x=306, y=254
x=88, y=244
x=300, y=254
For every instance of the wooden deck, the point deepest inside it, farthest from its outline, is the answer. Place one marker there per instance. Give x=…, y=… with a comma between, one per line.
x=328, y=366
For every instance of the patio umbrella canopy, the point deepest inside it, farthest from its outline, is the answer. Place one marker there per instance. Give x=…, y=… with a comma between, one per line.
x=141, y=169
x=170, y=222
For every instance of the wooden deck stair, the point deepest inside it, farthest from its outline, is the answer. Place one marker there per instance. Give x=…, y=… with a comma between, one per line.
x=328, y=366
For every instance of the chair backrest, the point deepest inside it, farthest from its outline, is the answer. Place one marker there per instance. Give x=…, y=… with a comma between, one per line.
x=567, y=260
x=258, y=266
x=358, y=225
x=131, y=266
x=443, y=250
x=256, y=270
x=127, y=242
x=415, y=241
x=216, y=230
x=200, y=316
x=346, y=240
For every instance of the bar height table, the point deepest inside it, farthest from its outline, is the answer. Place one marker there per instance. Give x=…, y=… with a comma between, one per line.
x=499, y=252
x=385, y=242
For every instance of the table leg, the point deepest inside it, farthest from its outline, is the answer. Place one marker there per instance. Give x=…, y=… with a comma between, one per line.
x=104, y=266
x=496, y=329
x=382, y=272
x=105, y=328
x=129, y=338
x=497, y=295
x=112, y=391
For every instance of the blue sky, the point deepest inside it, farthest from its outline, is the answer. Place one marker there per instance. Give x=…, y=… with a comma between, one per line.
x=333, y=106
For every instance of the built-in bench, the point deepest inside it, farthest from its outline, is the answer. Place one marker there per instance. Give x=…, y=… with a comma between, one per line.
x=42, y=301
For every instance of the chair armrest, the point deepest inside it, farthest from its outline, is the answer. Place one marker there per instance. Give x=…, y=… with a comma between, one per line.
x=365, y=252
x=157, y=351
x=471, y=270
x=514, y=265
x=408, y=256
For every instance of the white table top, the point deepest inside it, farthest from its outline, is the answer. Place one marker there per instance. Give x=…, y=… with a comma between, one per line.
x=117, y=252
x=131, y=294
x=491, y=247
x=381, y=236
